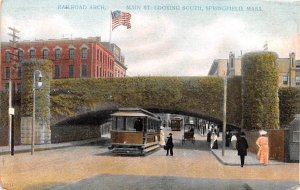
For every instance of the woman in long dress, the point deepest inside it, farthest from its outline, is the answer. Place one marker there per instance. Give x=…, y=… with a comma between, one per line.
x=162, y=137
x=263, y=148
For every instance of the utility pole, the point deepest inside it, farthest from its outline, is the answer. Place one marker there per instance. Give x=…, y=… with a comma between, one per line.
x=224, y=117
x=11, y=111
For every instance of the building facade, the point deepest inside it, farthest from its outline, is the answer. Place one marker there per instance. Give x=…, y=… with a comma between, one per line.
x=218, y=68
x=119, y=65
x=289, y=69
x=71, y=58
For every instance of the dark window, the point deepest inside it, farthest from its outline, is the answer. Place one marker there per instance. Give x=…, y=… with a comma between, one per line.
x=84, y=70
x=298, y=81
x=7, y=73
x=84, y=53
x=32, y=53
x=7, y=86
x=71, y=71
x=19, y=72
x=20, y=55
x=19, y=87
x=57, y=54
x=56, y=71
x=45, y=53
x=285, y=80
x=71, y=53
x=297, y=65
x=7, y=56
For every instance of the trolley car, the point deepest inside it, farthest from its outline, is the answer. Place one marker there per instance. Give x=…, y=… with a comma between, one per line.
x=134, y=131
x=176, y=123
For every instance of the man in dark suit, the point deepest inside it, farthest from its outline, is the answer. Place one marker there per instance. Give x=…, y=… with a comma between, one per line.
x=242, y=146
x=170, y=145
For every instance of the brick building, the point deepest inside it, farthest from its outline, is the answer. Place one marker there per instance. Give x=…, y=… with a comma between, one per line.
x=119, y=59
x=72, y=58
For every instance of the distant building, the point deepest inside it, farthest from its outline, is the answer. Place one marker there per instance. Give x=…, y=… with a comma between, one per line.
x=289, y=69
x=119, y=66
x=71, y=58
x=218, y=68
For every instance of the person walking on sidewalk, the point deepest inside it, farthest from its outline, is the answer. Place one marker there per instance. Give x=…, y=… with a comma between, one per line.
x=242, y=146
x=169, y=145
x=162, y=137
x=263, y=148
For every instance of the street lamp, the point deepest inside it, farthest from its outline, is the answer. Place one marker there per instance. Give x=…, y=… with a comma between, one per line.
x=37, y=84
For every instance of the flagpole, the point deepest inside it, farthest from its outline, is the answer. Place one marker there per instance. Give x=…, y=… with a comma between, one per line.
x=110, y=31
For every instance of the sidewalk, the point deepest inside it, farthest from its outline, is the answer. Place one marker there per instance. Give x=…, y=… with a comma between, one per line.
x=27, y=148
x=232, y=159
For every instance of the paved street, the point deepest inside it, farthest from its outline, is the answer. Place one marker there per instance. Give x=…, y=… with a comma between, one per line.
x=93, y=167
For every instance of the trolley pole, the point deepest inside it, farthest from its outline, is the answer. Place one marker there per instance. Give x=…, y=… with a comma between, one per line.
x=11, y=87
x=224, y=116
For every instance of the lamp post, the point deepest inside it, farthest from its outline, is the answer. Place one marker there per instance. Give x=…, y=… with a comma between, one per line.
x=37, y=84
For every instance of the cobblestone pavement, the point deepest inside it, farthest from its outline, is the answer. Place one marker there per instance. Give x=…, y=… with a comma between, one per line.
x=54, y=168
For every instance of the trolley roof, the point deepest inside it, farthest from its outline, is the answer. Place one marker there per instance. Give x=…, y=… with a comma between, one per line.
x=134, y=112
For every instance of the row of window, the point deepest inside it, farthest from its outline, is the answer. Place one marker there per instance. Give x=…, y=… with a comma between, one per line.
x=8, y=73
x=285, y=80
x=45, y=54
x=57, y=71
x=58, y=55
x=84, y=68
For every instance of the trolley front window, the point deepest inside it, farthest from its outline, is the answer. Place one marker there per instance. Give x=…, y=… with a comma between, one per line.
x=128, y=124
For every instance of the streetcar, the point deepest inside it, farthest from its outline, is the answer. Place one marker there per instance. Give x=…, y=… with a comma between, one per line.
x=176, y=123
x=135, y=131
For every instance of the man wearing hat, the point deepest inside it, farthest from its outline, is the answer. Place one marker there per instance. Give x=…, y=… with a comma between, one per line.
x=263, y=148
x=242, y=146
x=170, y=145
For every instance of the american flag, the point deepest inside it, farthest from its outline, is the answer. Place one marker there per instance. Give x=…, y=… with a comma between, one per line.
x=120, y=18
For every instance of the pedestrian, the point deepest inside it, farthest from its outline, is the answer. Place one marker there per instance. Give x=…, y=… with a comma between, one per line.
x=162, y=137
x=263, y=148
x=169, y=145
x=228, y=138
x=208, y=139
x=233, y=141
x=214, y=141
x=242, y=146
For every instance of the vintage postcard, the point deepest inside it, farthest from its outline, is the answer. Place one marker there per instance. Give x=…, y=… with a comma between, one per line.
x=150, y=94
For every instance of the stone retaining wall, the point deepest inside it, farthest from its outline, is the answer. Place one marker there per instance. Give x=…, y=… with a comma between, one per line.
x=67, y=133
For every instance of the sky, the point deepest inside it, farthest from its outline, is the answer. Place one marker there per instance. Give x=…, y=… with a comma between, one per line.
x=167, y=37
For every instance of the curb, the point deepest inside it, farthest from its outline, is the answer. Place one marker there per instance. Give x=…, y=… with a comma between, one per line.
x=221, y=161
x=53, y=147
x=238, y=164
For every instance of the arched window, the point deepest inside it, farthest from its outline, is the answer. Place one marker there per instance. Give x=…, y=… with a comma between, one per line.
x=7, y=56
x=20, y=55
x=45, y=54
x=71, y=53
x=32, y=53
x=57, y=54
x=84, y=53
